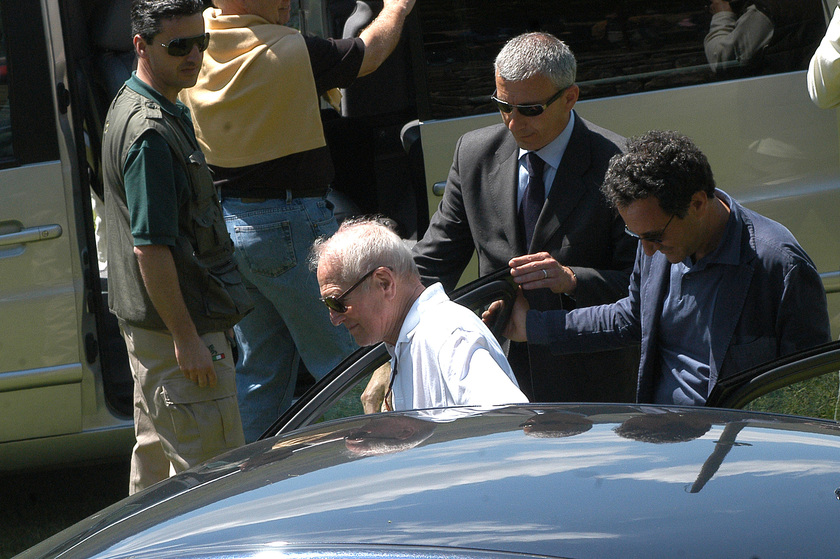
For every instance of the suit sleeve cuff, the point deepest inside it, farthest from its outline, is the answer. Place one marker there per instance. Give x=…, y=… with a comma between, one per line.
x=546, y=327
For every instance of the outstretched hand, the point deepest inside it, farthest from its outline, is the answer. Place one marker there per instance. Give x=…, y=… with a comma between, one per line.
x=515, y=327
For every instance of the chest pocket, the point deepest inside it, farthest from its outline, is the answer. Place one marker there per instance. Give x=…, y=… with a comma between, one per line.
x=224, y=292
x=212, y=243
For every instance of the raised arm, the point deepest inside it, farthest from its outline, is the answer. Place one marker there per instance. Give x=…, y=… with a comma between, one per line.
x=383, y=34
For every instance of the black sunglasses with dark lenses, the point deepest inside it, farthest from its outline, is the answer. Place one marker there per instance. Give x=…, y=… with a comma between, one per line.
x=525, y=110
x=655, y=238
x=182, y=46
x=336, y=304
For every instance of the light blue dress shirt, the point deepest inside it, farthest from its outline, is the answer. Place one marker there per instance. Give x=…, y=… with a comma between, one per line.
x=552, y=154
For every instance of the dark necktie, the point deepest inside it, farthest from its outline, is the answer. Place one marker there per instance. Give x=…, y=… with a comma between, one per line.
x=534, y=198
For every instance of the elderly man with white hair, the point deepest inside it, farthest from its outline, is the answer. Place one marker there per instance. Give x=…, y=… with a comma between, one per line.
x=442, y=354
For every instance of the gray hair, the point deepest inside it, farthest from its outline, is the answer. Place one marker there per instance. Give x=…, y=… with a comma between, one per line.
x=361, y=245
x=534, y=54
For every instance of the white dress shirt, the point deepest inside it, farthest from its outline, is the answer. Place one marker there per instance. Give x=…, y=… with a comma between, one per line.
x=446, y=356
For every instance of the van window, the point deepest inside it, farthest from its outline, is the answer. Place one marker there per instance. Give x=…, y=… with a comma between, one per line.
x=27, y=110
x=625, y=46
x=5, y=111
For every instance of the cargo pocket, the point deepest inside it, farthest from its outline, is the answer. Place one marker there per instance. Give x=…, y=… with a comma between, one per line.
x=226, y=294
x=204, y=421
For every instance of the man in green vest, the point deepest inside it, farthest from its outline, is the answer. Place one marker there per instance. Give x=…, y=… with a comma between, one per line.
x=172, y=281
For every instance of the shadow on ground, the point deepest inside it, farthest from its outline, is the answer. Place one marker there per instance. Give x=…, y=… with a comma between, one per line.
x=37, y=505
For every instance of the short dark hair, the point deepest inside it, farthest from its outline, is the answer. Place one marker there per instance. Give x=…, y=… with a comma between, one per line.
x=664, y=164
x=147, y=15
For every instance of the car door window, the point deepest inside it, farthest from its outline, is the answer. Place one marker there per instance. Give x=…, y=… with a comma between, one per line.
x=806, y=383
x=815, y=397
x=350, y=403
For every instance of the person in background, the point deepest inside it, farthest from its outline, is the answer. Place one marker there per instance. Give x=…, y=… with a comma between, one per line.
x=716, y=288
x=763, y=35
x=441, y=353
x=173, y=284
x=257, y=114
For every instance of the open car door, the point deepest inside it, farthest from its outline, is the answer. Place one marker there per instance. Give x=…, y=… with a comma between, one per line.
x=806, y=383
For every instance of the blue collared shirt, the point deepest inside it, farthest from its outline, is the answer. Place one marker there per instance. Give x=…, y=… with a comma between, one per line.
x=552, y=154
x=685, y=340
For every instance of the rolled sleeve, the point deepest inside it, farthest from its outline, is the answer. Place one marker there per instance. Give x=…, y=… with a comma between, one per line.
x=335, y=62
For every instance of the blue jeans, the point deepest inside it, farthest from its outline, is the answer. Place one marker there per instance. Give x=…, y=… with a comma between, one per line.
x=273, y=239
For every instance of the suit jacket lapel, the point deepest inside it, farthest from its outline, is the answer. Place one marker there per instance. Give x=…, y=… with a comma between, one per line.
x=732, y=295
x=566, y=189
x=501, y=190
x=652, y=299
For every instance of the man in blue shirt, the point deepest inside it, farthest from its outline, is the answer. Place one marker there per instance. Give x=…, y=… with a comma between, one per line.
x=716, y=288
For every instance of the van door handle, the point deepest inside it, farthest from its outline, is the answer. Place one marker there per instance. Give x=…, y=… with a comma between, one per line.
x=438, y=188
x=31, y=235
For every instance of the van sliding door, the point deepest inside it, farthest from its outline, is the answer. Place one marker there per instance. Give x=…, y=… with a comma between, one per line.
x=40, y=277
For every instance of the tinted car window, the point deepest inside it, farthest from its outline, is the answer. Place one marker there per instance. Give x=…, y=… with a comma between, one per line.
x=622, y=47
x=27, y=106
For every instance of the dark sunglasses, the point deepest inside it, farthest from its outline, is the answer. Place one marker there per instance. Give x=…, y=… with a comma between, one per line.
x=336, y=303
x=182, y=46
x=651, y=237
x=525, y=110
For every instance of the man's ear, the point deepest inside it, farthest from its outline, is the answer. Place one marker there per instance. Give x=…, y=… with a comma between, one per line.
x=571, y=96
x=140, y=47
x=699, y=202
x=384, y=279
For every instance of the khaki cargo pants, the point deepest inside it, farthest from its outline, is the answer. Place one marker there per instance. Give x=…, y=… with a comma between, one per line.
x=177, y=423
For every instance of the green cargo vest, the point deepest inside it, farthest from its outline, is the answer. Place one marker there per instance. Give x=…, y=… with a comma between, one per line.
x=210, y=282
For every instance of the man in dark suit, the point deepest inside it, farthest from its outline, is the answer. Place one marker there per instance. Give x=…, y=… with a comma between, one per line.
x=564, y=245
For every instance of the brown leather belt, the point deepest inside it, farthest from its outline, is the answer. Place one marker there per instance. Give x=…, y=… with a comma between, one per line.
x=311, y=193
